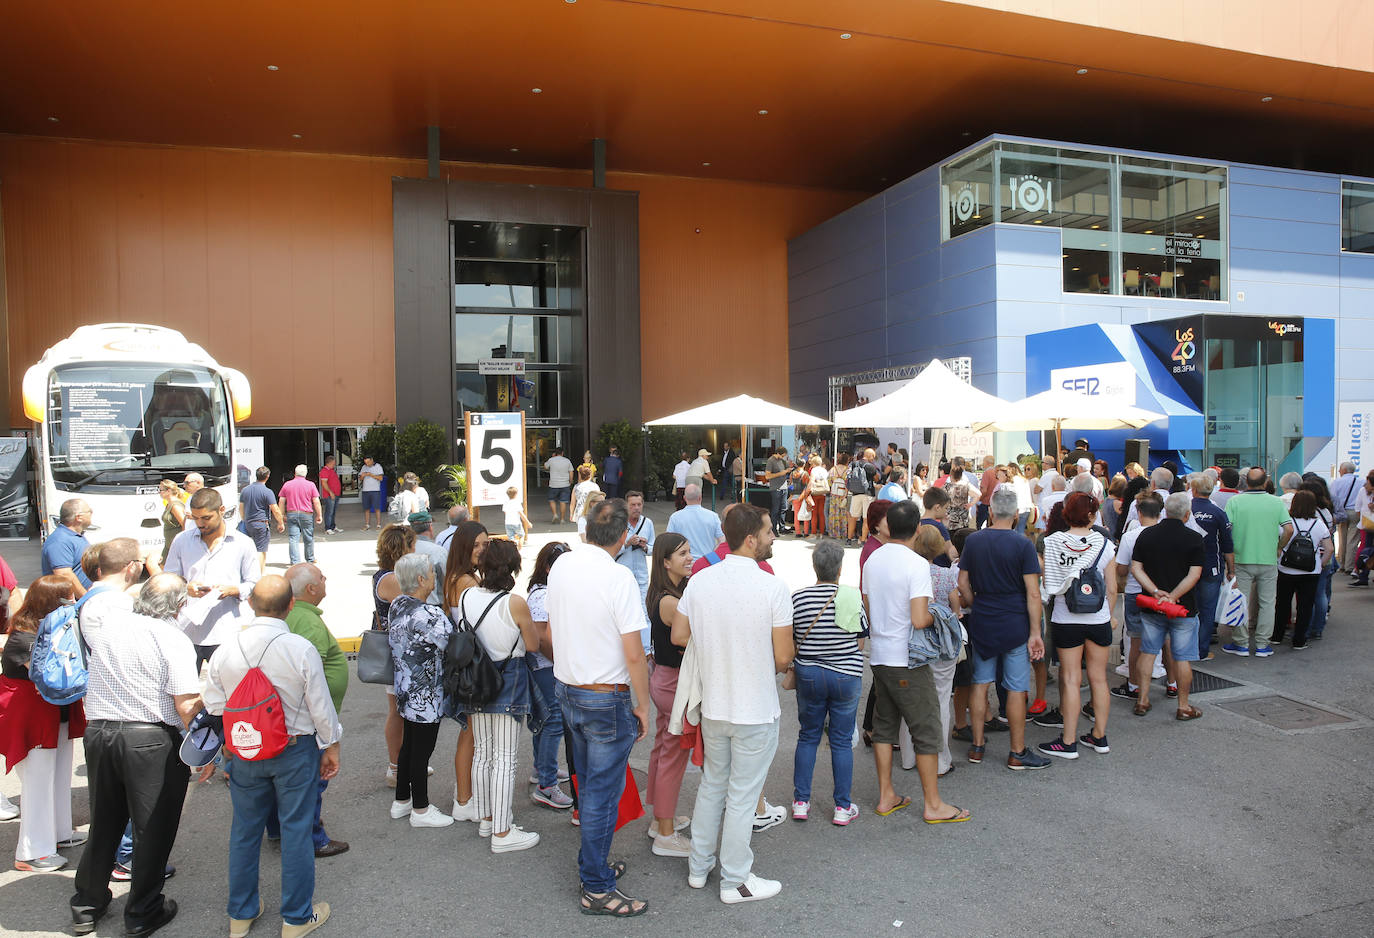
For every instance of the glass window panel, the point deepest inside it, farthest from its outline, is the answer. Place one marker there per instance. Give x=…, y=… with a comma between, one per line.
x=492, y=282
x=1065, y=188
x=1357, y=217
x=545, y=339
x=542, y=395
x=1171, y=242
x=968, y=186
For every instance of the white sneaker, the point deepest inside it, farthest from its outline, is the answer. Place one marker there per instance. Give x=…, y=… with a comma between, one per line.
x=844, y=815
x=484, y=828
x=699, y=882
x=8, y=810
x=673, y=845
x=772, y=816
x=517, y=838
x=751, y=890
x=679, y=823
x=391, y=773
x=801, y=810
x=400, y=809
x=430, y=817
x=1123, y=669
x=464, y=812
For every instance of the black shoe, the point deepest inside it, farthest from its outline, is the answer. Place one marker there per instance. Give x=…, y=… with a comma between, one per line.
x=1050, y=718
x=1089, y=712
x=1170, y=690
x=83, y=923
x=995, y=726
x=963, y=733
x=1124, y=691
x=169, y=912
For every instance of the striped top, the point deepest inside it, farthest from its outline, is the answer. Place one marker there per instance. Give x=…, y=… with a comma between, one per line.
x=828, y=646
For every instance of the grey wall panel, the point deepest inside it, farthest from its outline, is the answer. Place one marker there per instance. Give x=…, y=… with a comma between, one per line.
x=613, y=365
x=424, y=302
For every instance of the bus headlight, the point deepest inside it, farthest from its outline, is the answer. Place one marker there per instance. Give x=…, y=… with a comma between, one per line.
x=35, y=390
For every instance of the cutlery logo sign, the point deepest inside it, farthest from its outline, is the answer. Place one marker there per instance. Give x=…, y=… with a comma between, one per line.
x=1030, y=193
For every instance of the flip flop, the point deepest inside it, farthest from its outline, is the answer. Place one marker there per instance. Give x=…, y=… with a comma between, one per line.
x=905, y=802
x=1191, y=713
x=960, y=816
x=1141, y=709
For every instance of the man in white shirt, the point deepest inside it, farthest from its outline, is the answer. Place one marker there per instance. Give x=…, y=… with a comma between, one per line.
x=1345, y=497
x=680, y=480
x=1054, y=496
x=595, y=617
x=370, y=478
x=289, y=780
x=143, y=689
x=740, y=621
x=896, y=595
x=1048, y=473
x=1161, y=481
x=1148, y=517
x=560, y=470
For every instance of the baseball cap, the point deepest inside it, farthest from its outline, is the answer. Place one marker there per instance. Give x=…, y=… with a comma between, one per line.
x=703, y=452
x=202, y=741
x=420, y=517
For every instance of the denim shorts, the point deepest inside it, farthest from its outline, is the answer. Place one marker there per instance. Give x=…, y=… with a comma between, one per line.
x=1016, y=668
x=1182, y=635
x=257, y=530
x=374, y=501
x=1132, y=614
x=561, y=494
x=513, y=531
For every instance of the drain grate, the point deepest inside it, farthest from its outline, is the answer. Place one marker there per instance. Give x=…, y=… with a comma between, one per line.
x=1284, y=713
x=1204, y=681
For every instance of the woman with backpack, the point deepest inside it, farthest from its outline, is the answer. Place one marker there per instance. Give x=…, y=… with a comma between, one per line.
x=506, y=632
x=36, y=737
x=1078, y=561
x=1304, y=548
x=837, y=502
x=460, y=574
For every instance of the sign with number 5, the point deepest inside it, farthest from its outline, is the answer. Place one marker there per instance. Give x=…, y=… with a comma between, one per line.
x=496, y=457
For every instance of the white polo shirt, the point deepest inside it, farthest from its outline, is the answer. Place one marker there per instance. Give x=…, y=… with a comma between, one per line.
x=592, y=601
x=894, y=575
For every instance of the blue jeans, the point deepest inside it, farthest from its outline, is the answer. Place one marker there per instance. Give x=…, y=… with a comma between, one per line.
x=300, y=525
x=317, y=834
x=1208, y=589
x=124, y=855
x=737, y=757
x=779, y=497
x=288, y=783
x=822, y=692
x=981, y=516
x=1323, y=606
x=331, y=507
x=550, y=735
x=602, y=729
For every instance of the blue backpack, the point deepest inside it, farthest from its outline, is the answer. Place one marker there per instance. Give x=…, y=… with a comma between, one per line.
x=57, y=666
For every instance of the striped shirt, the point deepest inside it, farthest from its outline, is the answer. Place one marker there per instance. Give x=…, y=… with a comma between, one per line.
x=828, y=646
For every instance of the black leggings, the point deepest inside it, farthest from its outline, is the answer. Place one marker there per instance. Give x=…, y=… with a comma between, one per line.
x=412, y=764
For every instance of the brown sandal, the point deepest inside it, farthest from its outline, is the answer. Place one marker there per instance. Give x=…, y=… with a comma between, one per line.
x=614, y=903
x=1188, y=713
x=1141, y=709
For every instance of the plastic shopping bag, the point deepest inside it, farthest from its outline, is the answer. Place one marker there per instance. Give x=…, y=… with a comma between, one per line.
x=1233, y=608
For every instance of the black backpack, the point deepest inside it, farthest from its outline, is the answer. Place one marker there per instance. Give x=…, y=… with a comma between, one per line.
x=471, y=679
x=1300, y=553
x=1087, y=591
x=857, y=480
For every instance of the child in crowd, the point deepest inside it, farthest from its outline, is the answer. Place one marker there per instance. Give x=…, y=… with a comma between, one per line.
x=517, y=525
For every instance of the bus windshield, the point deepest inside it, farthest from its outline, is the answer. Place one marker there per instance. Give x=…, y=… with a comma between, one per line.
x=119, y=423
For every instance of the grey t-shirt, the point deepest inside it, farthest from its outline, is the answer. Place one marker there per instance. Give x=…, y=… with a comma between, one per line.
x=777, y=464
x=257, y=502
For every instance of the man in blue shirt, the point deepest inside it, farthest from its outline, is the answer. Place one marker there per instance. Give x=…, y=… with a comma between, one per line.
x=64, y=546
x=1219, y=561
x=612, y=472
x=256, y=503
x=700, y=526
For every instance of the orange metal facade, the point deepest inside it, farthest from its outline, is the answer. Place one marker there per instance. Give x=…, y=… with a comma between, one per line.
x=281, y=265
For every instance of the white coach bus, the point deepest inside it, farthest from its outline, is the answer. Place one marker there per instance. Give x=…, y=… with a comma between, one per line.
x=118, y=408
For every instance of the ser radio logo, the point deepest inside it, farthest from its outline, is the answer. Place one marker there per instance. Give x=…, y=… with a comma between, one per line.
x=1184, y=351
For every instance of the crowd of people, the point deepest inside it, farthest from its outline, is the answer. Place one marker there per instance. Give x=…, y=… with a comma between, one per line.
x=969, y=584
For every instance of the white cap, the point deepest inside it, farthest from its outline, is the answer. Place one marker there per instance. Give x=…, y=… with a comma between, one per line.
x=1085, y=463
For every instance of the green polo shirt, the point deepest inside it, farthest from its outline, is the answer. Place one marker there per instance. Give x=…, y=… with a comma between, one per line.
x=304, y=619
x=1255, y=521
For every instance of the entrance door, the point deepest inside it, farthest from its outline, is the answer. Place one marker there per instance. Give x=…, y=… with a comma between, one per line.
x=1254, y=399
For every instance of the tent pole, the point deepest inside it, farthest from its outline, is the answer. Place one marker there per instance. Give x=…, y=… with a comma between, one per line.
x=744, y=459
x=1058, y=439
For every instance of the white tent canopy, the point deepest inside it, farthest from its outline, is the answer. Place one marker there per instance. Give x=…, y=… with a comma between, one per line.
x=1057, y=408
x=742, y=410
x=934, y=398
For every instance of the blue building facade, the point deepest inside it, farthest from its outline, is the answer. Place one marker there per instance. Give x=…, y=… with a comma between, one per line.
x=1242, y=297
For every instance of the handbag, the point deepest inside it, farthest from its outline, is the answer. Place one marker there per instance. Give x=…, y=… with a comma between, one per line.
x=789, y=678
x=375, y=665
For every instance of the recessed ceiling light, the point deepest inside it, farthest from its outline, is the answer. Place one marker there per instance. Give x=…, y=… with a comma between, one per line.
x=1149, y=231
x=509, y=243
x=273, y=68
x=977, y=216
x=1082, y=71
x=846, y=35
x=964, y=134
x=1076, y=268
x=1039, y=221
x=558, y=229
x=515, y=149
x=1199, y=217
x=515, y=227
x=53, y=119
x=763, y=112
x=1095, y=226
x=1103, y=244
x=569, y=1
x=476, y=225
x=295, y=136
x=1154, y=249
x=1200, y=237
x=536, y=90
x=1266, y=99
x=707, y=163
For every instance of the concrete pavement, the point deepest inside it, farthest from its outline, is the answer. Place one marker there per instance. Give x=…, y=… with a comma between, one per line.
x=1223, y=826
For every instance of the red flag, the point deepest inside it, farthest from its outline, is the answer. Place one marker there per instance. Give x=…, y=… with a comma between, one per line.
x=631, y=807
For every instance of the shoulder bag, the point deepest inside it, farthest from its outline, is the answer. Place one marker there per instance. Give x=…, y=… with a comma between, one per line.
x=789, y=678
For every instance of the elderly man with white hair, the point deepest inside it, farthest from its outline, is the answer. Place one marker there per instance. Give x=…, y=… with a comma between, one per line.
x=699, y=525
x=1289, y=483
x=1168, y=562
x=1345, y=498
x=1054, y=496
x=300, y=499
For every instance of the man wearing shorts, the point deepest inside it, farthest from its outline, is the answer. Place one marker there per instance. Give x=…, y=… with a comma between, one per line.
x=999, y=576
x=896, y=595
x=256, y=502
x=1148, y=509
x=861, y=493
x=1167, y=563
x=560, y=469
x=370, y=478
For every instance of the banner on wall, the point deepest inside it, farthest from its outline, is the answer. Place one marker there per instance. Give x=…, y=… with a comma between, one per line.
x=248, y=456
x=14, y=489
x=1354, y=423
x=1114, y=380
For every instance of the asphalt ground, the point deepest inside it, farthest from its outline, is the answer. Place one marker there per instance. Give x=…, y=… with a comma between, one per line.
x=1222, y=826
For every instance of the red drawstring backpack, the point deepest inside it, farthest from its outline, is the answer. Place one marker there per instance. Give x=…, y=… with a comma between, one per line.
x=254, y=724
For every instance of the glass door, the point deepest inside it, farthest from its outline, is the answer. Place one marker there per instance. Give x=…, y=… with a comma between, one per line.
x=1254, y=398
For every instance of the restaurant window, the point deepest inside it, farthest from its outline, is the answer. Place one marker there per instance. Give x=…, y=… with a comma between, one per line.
x=967, y=186
x=1357, y=217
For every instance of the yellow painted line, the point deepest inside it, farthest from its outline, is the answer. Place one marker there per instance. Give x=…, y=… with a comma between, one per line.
x=350, y=645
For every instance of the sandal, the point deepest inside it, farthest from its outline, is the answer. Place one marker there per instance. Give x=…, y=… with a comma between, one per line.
x=905, y=802
x=618, y=868
x=614, y=903
x=1141, y=709
x=960, y=815
x=1189, y=713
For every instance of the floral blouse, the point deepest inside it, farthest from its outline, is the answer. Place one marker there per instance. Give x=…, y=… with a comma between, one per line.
x=418, y=634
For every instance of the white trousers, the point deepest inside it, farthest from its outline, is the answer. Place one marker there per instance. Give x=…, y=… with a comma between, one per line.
x=46, y=777
x=943, y=674
x=496, y=737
